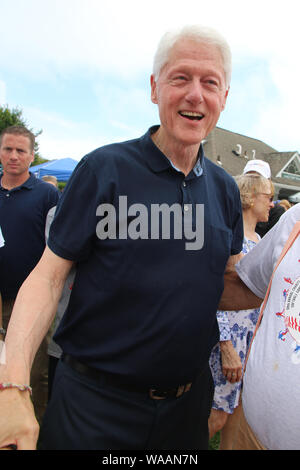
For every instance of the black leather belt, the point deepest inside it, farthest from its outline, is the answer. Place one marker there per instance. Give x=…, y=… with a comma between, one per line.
x=111, y=379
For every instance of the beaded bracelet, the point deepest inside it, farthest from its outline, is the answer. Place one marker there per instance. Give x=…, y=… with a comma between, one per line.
x=22, y=388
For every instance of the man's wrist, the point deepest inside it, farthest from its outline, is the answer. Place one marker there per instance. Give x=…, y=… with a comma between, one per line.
x=20, y=387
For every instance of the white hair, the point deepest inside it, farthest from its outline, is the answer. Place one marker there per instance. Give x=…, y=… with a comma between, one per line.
x=199, y=34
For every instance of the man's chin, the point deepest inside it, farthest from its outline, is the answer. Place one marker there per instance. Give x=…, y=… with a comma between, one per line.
x=190, y=139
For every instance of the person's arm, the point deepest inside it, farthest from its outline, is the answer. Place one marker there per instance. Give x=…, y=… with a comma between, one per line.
x=31, y=318
x=236, y=295
x=224, y=325
x=231, y=362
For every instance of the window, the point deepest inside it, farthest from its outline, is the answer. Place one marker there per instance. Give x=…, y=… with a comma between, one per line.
x=292, y=170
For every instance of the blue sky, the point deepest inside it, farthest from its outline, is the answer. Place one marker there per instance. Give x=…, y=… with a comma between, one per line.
x=80, y=69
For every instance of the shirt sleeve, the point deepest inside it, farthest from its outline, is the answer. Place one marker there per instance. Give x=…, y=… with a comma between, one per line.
x=73, y=229
x=237, y=225
x=49, y=220
x=256, y=268
x=224, y=327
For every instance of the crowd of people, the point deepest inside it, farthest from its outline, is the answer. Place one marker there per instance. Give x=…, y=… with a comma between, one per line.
x=236, y=328
x=164, y=334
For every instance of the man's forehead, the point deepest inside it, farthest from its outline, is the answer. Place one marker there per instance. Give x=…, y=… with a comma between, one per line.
x=15, y=139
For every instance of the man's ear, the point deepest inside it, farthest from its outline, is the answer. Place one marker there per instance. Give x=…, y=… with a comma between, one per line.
x=225, y=98
x=153, y=89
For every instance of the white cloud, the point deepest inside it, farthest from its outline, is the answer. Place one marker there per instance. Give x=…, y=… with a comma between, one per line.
x=51, y=147
x=279, y=120
x=121, y=36
x=49, y=119
x=111, y=42
x=278, y=112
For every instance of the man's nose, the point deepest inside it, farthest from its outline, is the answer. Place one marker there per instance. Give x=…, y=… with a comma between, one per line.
x=13, y=154
x=195, y=92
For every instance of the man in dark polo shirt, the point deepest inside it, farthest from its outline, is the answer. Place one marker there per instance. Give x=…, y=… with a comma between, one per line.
x=150, y=225
x=24, y=204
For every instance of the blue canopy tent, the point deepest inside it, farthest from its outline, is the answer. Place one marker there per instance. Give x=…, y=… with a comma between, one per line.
x=61, y=168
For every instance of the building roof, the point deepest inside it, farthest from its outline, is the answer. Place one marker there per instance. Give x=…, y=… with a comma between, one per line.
x=232, y=151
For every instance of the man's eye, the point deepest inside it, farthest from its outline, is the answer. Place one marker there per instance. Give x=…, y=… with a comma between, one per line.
x=213, y=83
x=180, y=77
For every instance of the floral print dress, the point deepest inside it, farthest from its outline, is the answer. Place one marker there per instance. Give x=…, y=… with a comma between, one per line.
x=237, y=326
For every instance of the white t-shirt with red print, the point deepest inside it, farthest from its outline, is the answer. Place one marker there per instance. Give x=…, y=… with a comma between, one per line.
x=271, y=388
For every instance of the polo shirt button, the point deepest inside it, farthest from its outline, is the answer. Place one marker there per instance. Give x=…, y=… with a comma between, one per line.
x=184, y=184
x=186, y=207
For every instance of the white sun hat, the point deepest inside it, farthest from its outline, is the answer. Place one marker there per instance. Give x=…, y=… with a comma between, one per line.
x=259, y=166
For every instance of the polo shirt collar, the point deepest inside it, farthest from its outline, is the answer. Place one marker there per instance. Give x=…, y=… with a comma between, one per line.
x=159, y=162
x=28, y=184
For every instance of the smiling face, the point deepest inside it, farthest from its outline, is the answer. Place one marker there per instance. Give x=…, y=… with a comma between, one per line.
x=190, y=93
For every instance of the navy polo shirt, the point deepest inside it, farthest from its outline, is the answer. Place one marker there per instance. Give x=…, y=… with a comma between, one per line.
x=23, y=212
x=144, y=307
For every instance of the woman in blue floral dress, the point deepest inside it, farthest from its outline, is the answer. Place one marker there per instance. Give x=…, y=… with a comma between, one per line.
x=236, y=328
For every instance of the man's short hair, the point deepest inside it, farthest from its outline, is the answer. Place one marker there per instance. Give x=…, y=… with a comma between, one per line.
x=199, y=34
x=50, y=179
x=19, y=130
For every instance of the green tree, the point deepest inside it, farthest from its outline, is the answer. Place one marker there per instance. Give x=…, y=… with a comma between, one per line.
x=14, y=117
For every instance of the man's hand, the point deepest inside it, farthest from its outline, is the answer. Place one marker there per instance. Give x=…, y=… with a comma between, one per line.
x=29, y=322
x=231, y=363
x=18, y=426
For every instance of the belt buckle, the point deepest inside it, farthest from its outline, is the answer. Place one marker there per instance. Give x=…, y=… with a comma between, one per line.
x=178, y=392
x=152, y=395
x=182, y=389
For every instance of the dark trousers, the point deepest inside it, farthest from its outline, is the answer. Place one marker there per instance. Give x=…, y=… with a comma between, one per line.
x=52, y=364
x=87, y=414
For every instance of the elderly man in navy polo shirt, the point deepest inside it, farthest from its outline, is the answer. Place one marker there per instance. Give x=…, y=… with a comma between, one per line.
x=24, y=204
x=150, y=225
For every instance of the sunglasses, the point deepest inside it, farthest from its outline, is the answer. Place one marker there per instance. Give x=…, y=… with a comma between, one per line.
x=268, y=195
